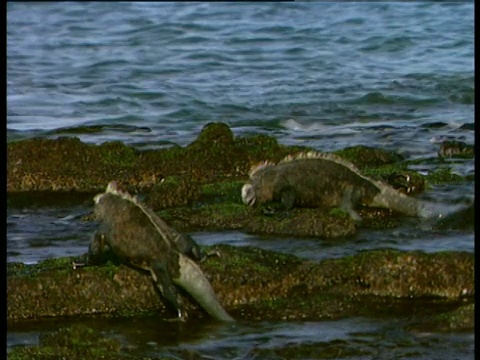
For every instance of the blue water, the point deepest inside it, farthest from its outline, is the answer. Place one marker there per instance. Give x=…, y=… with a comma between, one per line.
x=328, y=75
x=158, y=72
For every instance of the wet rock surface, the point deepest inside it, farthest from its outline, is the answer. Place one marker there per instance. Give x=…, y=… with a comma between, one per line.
x=75, y=342
x=66, y=163
x=463, y=219
x=197, y=187
x=199, y=184
x=250, y=283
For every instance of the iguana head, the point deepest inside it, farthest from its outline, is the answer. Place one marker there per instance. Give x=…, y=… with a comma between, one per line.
x=250, y=191
x=266, y=179
x=259, y=189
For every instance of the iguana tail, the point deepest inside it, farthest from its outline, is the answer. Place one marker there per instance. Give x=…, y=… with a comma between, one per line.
x=397, y=201
x=196, y=284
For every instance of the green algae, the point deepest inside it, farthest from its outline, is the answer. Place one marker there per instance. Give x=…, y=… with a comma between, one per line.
x=270, y=287
x=257, y=262
x=259, y=220
x=245, y=275
x=264, y=147
x=409, y=274
x=171, y=181
x=171, y=153
x=384, y=171
x=68, y=164
x=73, y=342
x=365, y=156
x=116, y=152
x=51, y=264
x=225, y=210
x=61, y=266
x=56, y=263
x=206, y=177
x=57, y=199
x=227, y=191
x=337, y=212
x=443, y=175
x=461, y=318
x=380, y=164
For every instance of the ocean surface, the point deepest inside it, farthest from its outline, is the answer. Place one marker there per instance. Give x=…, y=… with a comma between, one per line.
x=327, y=75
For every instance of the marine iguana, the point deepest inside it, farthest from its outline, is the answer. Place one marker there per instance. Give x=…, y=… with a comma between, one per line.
x=313, y=179
x=142, y=239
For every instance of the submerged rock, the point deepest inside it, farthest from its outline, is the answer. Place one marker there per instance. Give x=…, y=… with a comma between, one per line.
x=462, y=220
x=455, y=148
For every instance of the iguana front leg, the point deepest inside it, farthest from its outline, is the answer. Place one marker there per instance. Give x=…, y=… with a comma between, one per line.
x=283, y=202
x=287, y=197
x=96, y=249
x=167, y=288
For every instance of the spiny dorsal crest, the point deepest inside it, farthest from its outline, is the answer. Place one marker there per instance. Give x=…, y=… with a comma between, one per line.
x=319, y=155
x=112, y=188
x=260, y=165
x=306, y=155
x=331, y=157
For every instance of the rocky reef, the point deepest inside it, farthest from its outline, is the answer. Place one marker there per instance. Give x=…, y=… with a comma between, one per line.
x=250, y=283
x=197, y=187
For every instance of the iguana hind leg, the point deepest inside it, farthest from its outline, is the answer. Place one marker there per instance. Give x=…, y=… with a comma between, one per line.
x=167, y=288
x=346, y=204
x=187, y=246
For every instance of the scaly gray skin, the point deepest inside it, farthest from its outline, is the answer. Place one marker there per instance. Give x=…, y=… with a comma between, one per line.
x=183, y=243
x=140, y=238
x=325, y=180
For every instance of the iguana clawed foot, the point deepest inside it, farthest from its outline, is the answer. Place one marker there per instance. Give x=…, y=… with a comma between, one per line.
x=181, y=317
x=80, y=261
x=209, y=254
x=76, y=264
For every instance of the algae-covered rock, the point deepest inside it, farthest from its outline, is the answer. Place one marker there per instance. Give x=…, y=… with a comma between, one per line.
x=455, y=148
x=231, y=216
x=73, y=342
x=250, y=283
x=67, y=163
x=462, y=318
x=200, y=178
x=367, y=156
x=173, y=191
